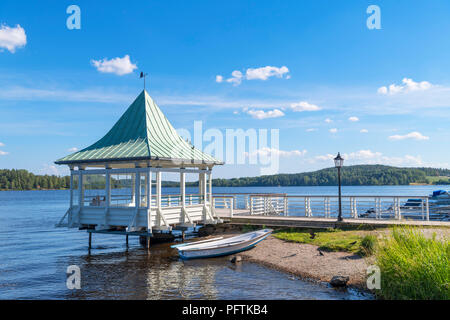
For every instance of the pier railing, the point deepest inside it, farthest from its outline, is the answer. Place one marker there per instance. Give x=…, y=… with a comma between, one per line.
x=327, y=206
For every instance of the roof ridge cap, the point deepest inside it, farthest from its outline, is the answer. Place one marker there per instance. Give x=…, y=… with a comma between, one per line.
x=147, y=125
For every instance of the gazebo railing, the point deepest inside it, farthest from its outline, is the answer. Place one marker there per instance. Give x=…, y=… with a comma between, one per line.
x=127, y=200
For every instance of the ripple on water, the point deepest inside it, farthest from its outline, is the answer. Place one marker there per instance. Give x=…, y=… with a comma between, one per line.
x=35, y=256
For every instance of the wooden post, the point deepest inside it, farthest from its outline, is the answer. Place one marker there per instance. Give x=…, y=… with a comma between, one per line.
x=90, y=239
x=126, y=240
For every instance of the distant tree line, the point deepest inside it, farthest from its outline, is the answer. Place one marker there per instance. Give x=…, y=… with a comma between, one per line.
x=358, y=175
x=24, y=180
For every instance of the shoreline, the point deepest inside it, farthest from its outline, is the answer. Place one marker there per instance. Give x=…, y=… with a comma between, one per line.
x=308, y=263
x=303, y=260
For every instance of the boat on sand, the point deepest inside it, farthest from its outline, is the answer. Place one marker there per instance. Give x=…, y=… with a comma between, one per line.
x=221, y=247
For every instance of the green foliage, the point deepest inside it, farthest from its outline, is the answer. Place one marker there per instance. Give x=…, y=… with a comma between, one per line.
x=327, y=240
x=413, y=266
x=351, y=175
x=24, y=180
x=368, y=244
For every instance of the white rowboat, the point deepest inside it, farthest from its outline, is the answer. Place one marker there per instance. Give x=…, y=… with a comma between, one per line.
x=221, y=247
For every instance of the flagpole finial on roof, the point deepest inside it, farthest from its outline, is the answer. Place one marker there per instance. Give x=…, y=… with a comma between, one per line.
x=143, y=75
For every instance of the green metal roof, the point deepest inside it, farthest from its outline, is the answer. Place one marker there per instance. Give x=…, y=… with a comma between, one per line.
x=142, y=133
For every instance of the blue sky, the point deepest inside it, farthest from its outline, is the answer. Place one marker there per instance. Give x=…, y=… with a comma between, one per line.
x=308, y=69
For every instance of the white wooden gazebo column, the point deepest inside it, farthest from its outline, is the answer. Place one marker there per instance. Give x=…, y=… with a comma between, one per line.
x=202, y=184
x=133, y=188
x=71, y=188
x=108, y=193
x=158, y=198
x=80, y=192
x=108, y=187
x=210, y=188
x=69, y=219
x=137, y=189
x=183, y=196
x=149, y=200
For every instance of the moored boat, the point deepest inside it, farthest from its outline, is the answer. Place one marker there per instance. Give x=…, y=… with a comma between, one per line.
x=221, y=247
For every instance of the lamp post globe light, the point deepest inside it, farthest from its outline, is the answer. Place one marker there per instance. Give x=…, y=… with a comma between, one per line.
x=338, y=163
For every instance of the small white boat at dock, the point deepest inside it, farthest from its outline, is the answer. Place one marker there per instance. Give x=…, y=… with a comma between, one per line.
x=220, y=247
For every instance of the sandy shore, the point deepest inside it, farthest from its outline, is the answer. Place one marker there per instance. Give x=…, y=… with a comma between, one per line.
x=307, y=262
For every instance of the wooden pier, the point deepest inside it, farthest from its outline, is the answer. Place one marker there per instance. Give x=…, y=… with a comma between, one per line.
x=244, y=218
x=321, y=211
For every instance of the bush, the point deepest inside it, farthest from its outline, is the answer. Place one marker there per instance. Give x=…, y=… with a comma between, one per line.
x=368, y=244
x=413, y=266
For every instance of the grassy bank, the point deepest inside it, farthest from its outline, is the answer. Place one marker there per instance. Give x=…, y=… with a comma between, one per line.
x=331, y=239
x=413, y=266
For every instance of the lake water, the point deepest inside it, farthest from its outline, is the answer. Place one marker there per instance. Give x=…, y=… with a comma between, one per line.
x=34, y=256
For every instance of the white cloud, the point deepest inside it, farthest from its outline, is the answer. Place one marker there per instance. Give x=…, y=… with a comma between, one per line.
x=74, y=149
x=362, y=155
x=265, y=73
x=236, y=78
x=364, y=131
x=261, y=114
x=328, y=120
x=333, y=130
x=119, y=66
x=409, y=85
x=304, y=106
x=12, y=38
x=3, y=153
x=371, y=157
x=412, y=135
x=382, y=90
x=266, y=152
x=325, y=157
x=311, y=129
x=262, y=73
x=353, y=119
x=52, y=169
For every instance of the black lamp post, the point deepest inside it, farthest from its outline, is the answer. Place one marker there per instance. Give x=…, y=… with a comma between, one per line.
x=338, y=163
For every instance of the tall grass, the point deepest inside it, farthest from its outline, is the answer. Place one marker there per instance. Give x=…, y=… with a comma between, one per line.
x=413, y=266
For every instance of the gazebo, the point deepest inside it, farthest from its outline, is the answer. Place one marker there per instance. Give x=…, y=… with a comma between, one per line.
x=116, y=183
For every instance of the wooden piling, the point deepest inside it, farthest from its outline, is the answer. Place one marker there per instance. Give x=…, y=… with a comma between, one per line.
x=126, y=240
x=90, y=240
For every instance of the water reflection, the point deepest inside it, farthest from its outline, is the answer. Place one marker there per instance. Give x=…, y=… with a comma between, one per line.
x=159, y=274
x=35, y=255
